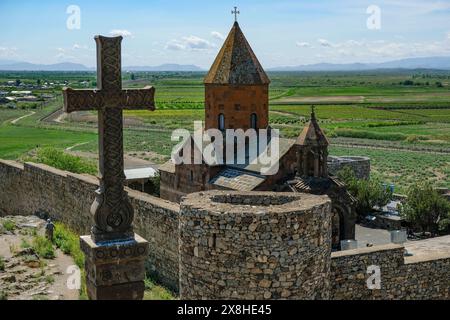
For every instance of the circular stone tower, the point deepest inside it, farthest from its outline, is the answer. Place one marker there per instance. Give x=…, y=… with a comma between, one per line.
x=254, y=245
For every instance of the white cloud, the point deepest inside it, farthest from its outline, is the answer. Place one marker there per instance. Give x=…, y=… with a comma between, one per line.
x=77, y=46
x=324, y=43
x=194, y=42
x=189, y=43
x=304, y=44
x=217, y=35
x=175, y=45
x=118, y=32
x=8, y=52
x=381, y=50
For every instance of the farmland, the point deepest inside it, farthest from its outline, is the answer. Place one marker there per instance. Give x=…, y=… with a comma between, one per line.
x=401, y=119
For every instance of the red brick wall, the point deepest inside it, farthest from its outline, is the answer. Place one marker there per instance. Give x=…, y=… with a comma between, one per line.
x=237, y=103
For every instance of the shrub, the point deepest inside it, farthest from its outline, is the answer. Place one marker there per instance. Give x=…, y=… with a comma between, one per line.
x=9, y=225
x=426, y=210
x=61, y=160
x=368, y=192
x=43, y=247
x=69, y=243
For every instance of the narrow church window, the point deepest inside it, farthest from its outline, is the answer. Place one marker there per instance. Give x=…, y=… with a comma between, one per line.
x=191, y=177
x=221, y=122
x=254, y=121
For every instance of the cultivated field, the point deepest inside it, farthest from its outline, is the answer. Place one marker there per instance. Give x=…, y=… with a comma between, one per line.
x=401, y=119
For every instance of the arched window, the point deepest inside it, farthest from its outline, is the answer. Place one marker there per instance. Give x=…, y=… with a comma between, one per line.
x=221, y=122
x=253, y=121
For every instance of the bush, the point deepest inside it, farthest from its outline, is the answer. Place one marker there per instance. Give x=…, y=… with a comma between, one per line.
x=69, y=243
x=9, y=225
x=43, y=247
x=60, y=160
x=426, y=210
x=368, y=192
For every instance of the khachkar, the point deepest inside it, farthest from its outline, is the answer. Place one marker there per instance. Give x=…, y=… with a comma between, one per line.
x=115, y=255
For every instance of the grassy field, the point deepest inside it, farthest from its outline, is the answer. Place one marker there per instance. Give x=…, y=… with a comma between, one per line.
x=398, y=109
x=402, y=168
x=16, y=140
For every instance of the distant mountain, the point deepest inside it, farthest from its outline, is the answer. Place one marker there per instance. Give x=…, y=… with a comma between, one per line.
x=441, y=63
x=4, y=62
x=9, y=65
x=26, y=66
x=165, y=67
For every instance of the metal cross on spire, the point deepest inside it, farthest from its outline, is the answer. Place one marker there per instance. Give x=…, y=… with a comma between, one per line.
x=235, y=12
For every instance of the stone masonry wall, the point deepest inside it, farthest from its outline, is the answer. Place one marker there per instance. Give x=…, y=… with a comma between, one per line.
x=234, y=245
x=428, y=279
x=39, y=189
x=359, y=165
x=254, y=246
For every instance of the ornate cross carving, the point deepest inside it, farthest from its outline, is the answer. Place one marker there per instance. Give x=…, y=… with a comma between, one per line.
x=235, y=12
x=113, y=213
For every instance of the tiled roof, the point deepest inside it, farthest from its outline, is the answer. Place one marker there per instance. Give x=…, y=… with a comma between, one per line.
x=236, y=63
x=284, y=146
x=317, y=185
x=237, y=180
x=169, y=166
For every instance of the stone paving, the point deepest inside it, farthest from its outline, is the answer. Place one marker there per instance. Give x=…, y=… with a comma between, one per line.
x=419, y=250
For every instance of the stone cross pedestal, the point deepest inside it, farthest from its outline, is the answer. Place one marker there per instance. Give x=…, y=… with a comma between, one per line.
x=114, y=254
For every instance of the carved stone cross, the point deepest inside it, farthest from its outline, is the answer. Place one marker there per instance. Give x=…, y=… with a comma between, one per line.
x=112, y=210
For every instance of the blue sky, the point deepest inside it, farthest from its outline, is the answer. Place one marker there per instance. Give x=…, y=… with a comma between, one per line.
x=282, y=32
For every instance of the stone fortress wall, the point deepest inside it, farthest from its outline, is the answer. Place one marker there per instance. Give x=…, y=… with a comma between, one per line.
x=255, y=246
x=359, y=165
x=32, y=188
x=234, y=245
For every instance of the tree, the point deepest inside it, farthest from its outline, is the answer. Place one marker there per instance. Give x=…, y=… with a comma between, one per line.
x=368, y=192
x=133, y=77
x=38, y=82
x=426, y=210
x=18, y=82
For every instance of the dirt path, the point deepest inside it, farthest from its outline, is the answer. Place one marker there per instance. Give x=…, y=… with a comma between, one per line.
x=76, y=145
x=25, y=275
x=22, y=117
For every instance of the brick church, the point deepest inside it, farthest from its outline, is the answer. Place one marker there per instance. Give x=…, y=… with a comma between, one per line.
x=237, y=97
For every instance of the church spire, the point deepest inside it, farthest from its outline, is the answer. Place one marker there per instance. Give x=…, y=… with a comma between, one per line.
x=236, y=63
x=312, y=134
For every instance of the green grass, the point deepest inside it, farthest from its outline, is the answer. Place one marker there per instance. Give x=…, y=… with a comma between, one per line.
x=43, y=247
x=16, y=140
x=9, y=225
x=156, y=292
x=61, y=160
x=69, y=243
x=404, y=168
